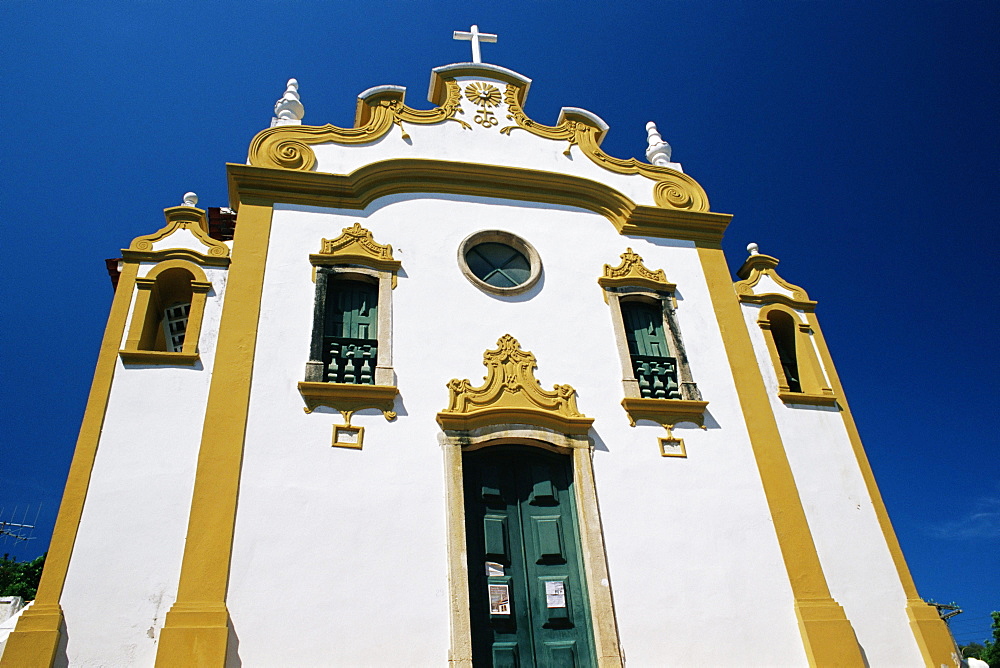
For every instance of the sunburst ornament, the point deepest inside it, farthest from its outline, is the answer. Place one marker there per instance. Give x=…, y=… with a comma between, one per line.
x=483, y=94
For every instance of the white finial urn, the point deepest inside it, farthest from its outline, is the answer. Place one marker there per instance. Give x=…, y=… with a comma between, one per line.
x=657, y=150
x=190, y=199
x=289, y=109
x=753, y=249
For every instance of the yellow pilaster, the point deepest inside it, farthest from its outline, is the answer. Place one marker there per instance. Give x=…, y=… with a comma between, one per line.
x=931, y=632
x=34, y=641
x=196, y=629
x=827, y=634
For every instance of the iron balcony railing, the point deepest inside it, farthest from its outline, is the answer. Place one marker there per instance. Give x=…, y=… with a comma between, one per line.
x=657, y=377
x=349, y=360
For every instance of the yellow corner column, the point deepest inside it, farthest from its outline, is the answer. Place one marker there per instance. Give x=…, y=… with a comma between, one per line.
x=196, y=629
x=34, y=641
x=827, y=634
x=931, y=632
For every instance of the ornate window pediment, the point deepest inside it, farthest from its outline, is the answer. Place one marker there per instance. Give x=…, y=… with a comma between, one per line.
x=357, y=246
x=511, y=395
x=633, y=273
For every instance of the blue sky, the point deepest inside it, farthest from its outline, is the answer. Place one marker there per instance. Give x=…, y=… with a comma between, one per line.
x=858, y=142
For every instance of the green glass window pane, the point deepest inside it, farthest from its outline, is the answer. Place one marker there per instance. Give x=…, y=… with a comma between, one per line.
x=498, y=264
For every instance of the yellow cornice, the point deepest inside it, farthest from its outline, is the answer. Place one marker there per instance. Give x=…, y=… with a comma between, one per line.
x=179, y=217
x=411, y=175
x=760, y=265
x=511, y=395
x=632, y=272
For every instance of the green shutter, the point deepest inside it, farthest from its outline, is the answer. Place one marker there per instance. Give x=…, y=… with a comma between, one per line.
x=350, y=328
x=644, y=329
x=352, y=310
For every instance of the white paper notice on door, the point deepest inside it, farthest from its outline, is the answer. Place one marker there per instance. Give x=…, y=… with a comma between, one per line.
x=499, y=600
x=555, y=594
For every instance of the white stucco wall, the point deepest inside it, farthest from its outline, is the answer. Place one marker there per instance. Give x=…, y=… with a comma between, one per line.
x=125, y=566
x=845, y=529
x=354, y=541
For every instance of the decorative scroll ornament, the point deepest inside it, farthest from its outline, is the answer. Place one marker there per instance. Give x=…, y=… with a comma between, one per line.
x=484, y=96
x=511, y=395
x=632, y=272
x=184, y=217
x=759, y=267
x=357, y=246
x=288, y=147
x=673, y=189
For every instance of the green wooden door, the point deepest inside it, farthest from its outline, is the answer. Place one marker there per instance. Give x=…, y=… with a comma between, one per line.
x=527, y=593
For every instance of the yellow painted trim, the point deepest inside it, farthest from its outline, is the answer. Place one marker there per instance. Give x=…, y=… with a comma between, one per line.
x=158, y=357
x=815, y=390
x=667, y=412
x=359, y=434
x=411, y=175
x=349, y=397
x=182, y=217
x=808, y=399
x=288, y=147
x=827, y=635
x=196, y=631
x=755, y=268
x=145, y=286
x=34, y=641
x=174, y=254
x=931, y=632
x=675, y=442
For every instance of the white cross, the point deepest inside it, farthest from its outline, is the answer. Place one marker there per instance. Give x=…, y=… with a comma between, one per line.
x=475, y=37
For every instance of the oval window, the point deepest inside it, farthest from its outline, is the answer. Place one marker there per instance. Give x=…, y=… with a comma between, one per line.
x=499, y=262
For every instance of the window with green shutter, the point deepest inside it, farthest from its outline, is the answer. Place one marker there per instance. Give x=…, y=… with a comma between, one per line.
x=654, y=368
x=350, y=328
x=345, y=347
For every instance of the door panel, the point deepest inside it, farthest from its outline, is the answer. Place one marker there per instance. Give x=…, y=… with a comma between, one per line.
x=527, y=592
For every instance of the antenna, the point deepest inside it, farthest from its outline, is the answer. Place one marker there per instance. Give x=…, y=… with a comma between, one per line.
x=14, y=531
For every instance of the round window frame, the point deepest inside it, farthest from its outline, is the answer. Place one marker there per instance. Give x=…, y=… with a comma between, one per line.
x=508, y=239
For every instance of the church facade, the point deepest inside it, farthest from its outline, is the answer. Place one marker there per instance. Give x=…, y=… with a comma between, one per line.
x=463, y=389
